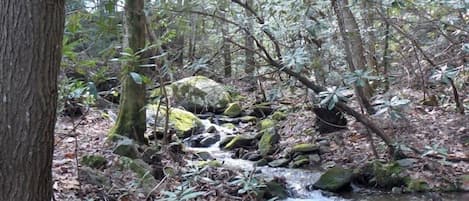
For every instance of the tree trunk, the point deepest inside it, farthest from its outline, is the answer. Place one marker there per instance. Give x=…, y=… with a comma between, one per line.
x=30, y=52
x=226, y=43
x=249, y=43
x=353, y=48
x=131, y=121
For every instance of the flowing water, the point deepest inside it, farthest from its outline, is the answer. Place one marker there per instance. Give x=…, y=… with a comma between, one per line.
x=297, y=180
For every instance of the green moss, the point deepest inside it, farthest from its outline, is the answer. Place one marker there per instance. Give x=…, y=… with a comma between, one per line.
x=267, y=123
x=239, y=141
x=305, y=148
x=279, y=116
x=233, y=110
x=93, y=161
x=182, y=121
x=299, y=163
x=228, y=125
x=267, y=141
x=247, y=119
x=210, y=163
x=388, y=175
x=335, y=179
x=417, y=185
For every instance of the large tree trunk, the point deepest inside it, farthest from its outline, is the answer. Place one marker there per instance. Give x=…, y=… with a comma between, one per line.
x=355, y=53
x=249, y=42
x=226, y=43
x=30, y=52
x=131, y=121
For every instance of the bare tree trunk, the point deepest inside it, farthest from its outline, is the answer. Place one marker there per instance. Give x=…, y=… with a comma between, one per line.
x=226, y=43
x=249, y=43
x=353, y=48
x=30, y=53
x=131, y=120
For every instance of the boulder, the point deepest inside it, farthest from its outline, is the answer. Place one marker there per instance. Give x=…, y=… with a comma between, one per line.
x=282, y=162
x=279, y=116
x=184, y=123
x=126, y=147
x=197, y=93
x=93, y=161
x=269, y=138
x=203, y=140
x=305, y=148
x=274, y=189
x=239, y=141
x=233, y=110
x=334, y=180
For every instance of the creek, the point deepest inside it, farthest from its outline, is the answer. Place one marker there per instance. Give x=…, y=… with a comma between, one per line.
x=297, y=180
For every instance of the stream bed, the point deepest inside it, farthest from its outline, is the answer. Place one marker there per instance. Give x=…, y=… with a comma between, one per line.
x=297, y=180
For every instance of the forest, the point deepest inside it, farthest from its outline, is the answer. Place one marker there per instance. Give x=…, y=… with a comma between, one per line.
x=226, y=100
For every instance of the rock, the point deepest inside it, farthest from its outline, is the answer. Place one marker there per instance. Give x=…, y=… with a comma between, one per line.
x=252, y=156
x=262, y=109
x=203, y=140
x=406, y=162
x=225, y=141
x=142, y=170
x=204, y=155
x=176, y=147
x=382, y=175
x=279, y=116
x=282, y=162
x=184, y=123
x=328, y=121
x=151, y=156
x=267, y=123
x=209, y=141
x=228, y=126
x=275, y=189
x=314, y=159
x=210, y=163
x=211, y=129
x=305, y=148
x=248, y=119
x=261, y=162
x=93, y=161
x=126, y=147
x=269, y=138
x=417, y=185
x=233, y=110
x=94, y=177
x=299, y=162
x=335, y=179
x=239, y=141
x=197, y=93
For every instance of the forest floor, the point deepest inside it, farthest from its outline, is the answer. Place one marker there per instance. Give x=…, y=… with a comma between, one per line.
x=439, y=132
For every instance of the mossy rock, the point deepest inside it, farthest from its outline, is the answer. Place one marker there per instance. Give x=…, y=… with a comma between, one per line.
x=239, y=141
x=274, y=189
x=282, y=162
x=209, y=163
x=197, y=93
x=266, y=124
x=261, y=162
x=184, y=123
x=248, y=119
x=225, y=141
x=279, y=116
x=126, y=147
x=94, y=161
x=417, y=185
x=335, y=179
x=305, y=148
x=233, y=110
x=142, y=170
x=388, y=175
x=269, y=138
x=299, y=163
x=92, y=176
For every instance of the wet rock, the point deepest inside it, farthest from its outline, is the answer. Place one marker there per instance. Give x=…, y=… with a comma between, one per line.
x=282, y=162
x=275, y=189
x=248, y=119
x=92, y=176
x=209, y=141
x=126, y=147
x=203, y=140
x=209, y=163
x=239, y=141
x=305, y=148
x=299, y=161
x=211, y=129
x=197, y=93
x=233, y=110
x=204, y=155
x=225, y=141
x=261, y=162
x=228, y=126
x=252, y=156
x=94, y=161
x=328, y=121
x=269, y=138
x=335, y=179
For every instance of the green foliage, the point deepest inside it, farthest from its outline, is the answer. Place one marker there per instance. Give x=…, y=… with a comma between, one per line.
x=393, y=107
x=248, y=183
x=445, y=74
x=182, y=193
x=332, y=96
x=76, y=91
x=359, y=77
x=436, y=150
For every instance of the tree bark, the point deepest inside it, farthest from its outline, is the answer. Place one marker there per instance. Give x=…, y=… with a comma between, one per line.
x=353, y=48
x=131, y=121
x=226, y=43
x=30, y=52
x=249, y=42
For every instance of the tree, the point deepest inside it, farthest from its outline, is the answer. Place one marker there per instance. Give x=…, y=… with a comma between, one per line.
x=131, y=121
x=249, y=42
x=31, y=38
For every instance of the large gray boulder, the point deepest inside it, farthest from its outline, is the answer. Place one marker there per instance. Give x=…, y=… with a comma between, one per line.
x=198, y=93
